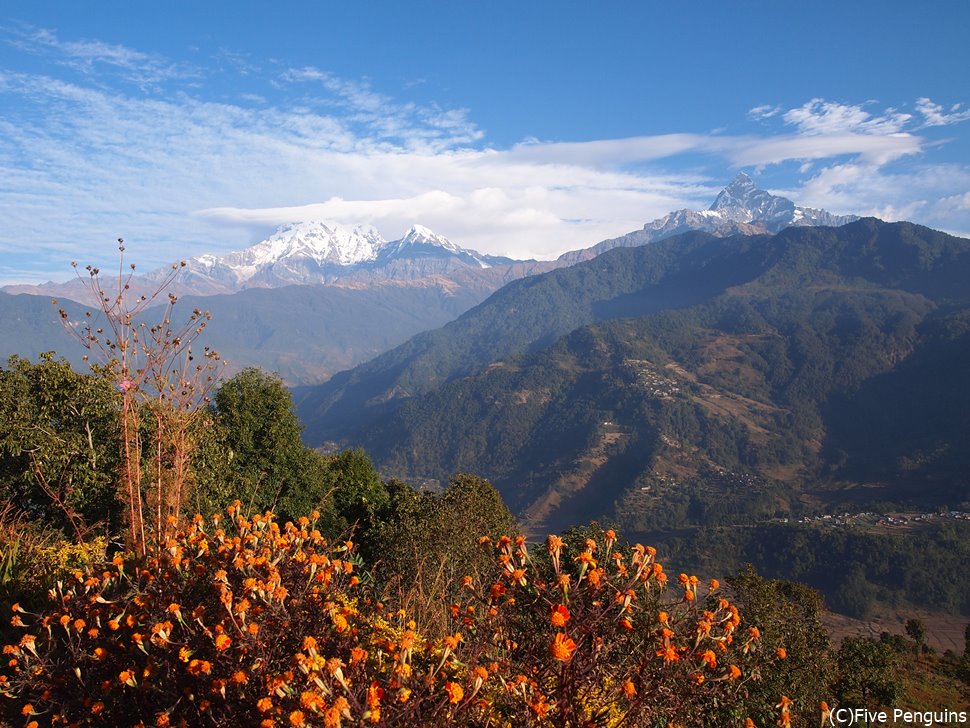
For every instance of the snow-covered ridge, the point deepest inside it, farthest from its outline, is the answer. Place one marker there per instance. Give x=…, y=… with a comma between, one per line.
x=315, y=251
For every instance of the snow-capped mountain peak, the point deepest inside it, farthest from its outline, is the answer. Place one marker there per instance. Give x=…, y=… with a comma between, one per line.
x=742, y=201
x=324, y=252
x=740, y=208
x=322, y=242
x=420, y=235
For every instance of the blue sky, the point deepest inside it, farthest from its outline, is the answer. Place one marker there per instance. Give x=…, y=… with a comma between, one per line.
x=521, y=128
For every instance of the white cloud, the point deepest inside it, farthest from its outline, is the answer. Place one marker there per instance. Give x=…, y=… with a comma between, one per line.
x=177, y=174
x=819, y=116
x=93, y=57
x=765, y=111
x=936, y=115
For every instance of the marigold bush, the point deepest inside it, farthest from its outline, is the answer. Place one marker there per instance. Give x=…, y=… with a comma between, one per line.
x=240, y=621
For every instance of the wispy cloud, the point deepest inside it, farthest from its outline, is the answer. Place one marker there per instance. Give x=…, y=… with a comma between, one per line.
x=936, y=115
x=93, y=58
x=821, y=117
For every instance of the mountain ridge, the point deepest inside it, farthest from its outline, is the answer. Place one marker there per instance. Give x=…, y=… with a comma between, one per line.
x=753, y=383
x=741, y=208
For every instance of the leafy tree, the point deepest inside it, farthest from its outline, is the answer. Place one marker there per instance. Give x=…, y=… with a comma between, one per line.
x=917, y=631
x=271, y=469
x=358, y=492
x=788, y=615
x=58, y=443
x=868, y=674
x=422, y=537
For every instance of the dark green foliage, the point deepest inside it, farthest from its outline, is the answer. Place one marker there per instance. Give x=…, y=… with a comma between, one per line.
x=853, y=567
x=868, y=674
x=422, y=535
x=58, y=443
x=917, y=632
x=788, y=615
x=270, y=468
x=357, y=491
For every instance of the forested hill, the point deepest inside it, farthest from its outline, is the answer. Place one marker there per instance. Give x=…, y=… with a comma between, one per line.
x=678, y=272
x=747, y=377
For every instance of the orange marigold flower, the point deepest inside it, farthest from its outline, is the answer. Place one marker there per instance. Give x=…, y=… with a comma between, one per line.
x=734, y=672
x=124, y=676
x=309, y=643
x=375, y=693
x=312, y=701
x=748, y=723
x=709, y=659
x=162, y=720
x=340, y=622
x=669, y=653
x=559, y=615
x=781, y=653
x=562, y=647
x=100, y=653
x=540, y=707
x=455, y=692
x=264, y=705
x=714, y=584
x=357, y=654
x=297, y=719
x=239, y=677
x=629, y=689
x=200, y=667
x=754, y=633
x=663, y=618
x=28, y=709
x=223, y=641
x=451, y=641
x=185, y=654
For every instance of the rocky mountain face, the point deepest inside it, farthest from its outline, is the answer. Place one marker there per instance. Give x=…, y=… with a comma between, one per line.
x=739, y=209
